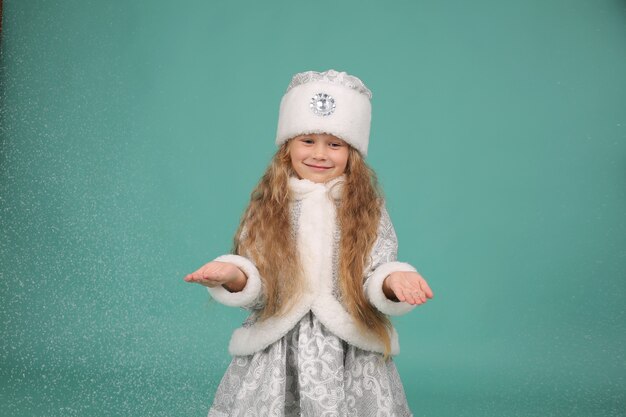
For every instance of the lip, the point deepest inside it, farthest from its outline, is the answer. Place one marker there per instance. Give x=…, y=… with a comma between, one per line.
x=318, y=168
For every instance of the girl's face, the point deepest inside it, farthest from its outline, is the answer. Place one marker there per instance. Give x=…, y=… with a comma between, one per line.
x=318, y=157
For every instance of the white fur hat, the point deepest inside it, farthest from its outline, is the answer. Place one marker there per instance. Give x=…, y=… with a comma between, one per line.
x=326, y=102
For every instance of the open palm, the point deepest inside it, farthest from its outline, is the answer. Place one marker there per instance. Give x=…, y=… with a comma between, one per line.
x=214, y=273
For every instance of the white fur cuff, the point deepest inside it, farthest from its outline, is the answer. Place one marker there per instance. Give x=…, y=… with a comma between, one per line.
x=249, y=293
x=374, y=289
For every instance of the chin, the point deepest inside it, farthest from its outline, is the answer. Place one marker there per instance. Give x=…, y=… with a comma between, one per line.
x=325, y=178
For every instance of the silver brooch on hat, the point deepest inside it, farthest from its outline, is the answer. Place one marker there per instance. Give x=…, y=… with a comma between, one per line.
x=322, y=104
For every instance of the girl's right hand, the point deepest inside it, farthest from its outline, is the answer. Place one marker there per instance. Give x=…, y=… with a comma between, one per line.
x=217, y=273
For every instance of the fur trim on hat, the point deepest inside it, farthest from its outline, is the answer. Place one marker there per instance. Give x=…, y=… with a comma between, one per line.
x=345, y=111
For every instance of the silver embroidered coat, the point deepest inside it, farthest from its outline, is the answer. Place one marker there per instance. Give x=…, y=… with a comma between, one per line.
x=314, y=218
x=313, y=362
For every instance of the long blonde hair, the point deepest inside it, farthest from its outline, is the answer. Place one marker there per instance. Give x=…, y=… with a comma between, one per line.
x=265, y=234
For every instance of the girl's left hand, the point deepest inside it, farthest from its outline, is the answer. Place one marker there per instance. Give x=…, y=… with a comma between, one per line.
x=409, y=287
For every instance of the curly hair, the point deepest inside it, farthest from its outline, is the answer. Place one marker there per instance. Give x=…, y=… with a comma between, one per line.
x=265, y=234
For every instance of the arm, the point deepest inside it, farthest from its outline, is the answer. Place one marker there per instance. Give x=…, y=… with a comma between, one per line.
x=217, y=273
x=407, y=286
x=232, y=280
x=386, y=279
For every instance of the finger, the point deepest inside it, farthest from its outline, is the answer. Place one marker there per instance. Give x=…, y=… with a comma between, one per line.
x=410, y=297
x=204, y=272
x=417, y=293
x=420, y=295
x=415, y=286
x=214, y=272
x=399, y=294
x=210, y=284
x=197, y=275
x=426, y=288
x=419, y=298
x=415, y=289
x=201, y=277
x=211, y=279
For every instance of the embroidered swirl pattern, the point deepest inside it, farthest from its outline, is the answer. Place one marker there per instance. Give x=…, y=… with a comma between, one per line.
x=330, y=76
x=310, y=372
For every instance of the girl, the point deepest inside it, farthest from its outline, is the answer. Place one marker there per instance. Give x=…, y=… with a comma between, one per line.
x=314, y=261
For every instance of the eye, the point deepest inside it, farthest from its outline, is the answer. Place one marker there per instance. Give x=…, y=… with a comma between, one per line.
x=306, y=140
x=336, y=145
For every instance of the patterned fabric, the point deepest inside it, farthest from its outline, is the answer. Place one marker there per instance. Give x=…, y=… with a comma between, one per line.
x=330, y=76
x=385, y=248
x=310, y=372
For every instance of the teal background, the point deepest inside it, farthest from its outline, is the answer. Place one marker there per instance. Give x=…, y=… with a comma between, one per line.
x=132, y=133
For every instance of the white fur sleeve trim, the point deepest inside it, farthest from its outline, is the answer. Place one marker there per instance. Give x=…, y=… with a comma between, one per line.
x=374, y=289
x=249, y=293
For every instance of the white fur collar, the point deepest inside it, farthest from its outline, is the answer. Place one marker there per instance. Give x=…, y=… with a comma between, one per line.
x=300, y=188
x=315, y=244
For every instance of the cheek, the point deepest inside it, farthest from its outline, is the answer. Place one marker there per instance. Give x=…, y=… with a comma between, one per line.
x=294, y=165
x=295, y=158
x=342, y=161
x=295, y=153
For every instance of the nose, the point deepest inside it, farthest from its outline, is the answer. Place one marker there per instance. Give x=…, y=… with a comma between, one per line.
x=319, y=151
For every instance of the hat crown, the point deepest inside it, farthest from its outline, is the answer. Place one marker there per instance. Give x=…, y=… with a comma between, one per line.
x=329, y=102
x=331, y=76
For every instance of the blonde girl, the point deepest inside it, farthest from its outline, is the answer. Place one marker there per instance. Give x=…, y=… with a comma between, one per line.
x=314, y=261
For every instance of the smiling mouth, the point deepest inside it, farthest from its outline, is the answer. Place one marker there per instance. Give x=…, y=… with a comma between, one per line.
x=318, y=167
